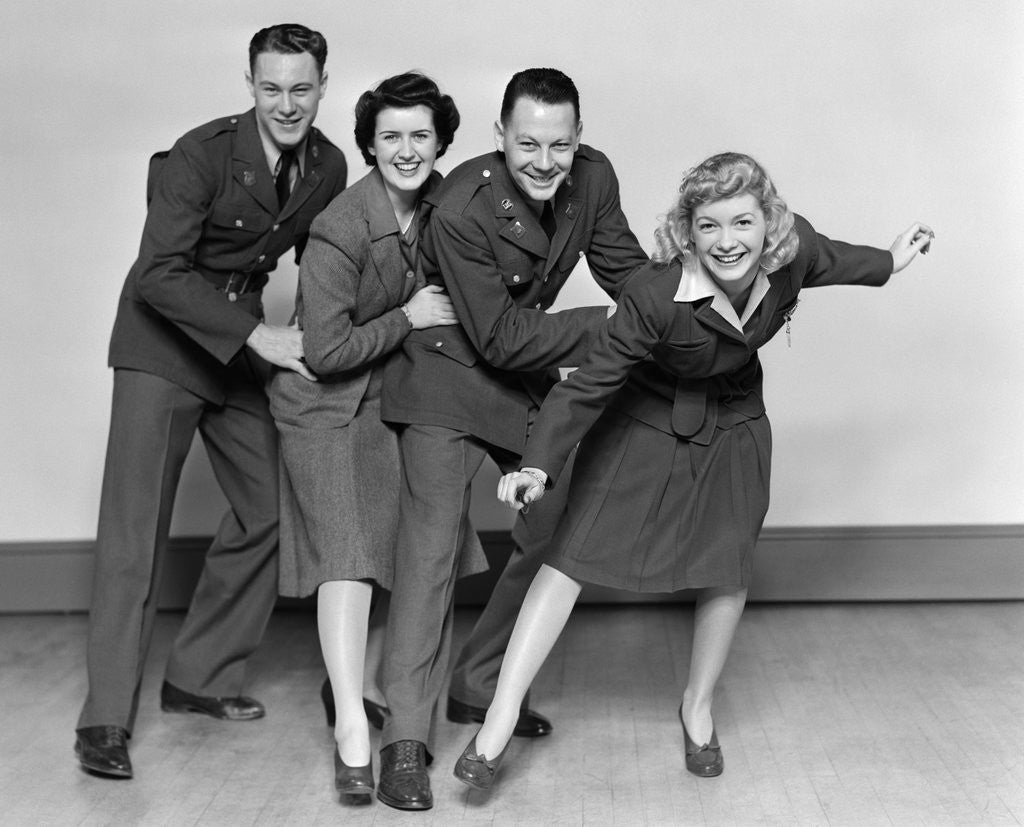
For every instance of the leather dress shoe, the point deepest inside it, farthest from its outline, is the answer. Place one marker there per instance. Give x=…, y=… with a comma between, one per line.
x=404, y=783
x=473, y=769
x=704, y=760
x=239, y=708
x=530, y=724
x=352, y=780
x=375, y=713
x=104, y=750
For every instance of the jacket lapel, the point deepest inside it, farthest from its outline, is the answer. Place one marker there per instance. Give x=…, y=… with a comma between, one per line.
x=306, y=185
x=250, y=164
x=383, y=230
x=567, y=207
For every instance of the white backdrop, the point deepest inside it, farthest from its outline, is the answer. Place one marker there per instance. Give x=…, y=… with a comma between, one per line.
x=893, y=406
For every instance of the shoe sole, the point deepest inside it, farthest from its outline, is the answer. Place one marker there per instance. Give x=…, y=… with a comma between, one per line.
x=166, y=707
x=473, y=783
x=398, y=804
x=109, y=772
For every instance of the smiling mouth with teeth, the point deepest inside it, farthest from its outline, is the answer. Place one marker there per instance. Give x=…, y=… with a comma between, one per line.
x=407, y=167
x=730, y=259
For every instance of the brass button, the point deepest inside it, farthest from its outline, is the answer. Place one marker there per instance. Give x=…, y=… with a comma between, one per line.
x=409, y=274
x=238, y=222
x=515, y=279
x=277, y=227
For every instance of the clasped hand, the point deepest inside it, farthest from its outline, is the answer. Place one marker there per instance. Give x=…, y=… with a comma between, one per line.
x=518, y=489
x=430, y=307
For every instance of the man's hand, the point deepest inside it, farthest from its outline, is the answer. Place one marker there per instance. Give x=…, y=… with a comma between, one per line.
x=281, y=346
x=917, y=239
x=520, y=488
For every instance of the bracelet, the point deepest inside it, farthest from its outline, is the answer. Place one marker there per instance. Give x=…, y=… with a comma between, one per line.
x=535, y=475
x=408, y=315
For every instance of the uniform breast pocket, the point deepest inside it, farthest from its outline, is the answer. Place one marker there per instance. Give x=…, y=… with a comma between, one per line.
x=235, y=218
x=686, y=357
x=516, y=272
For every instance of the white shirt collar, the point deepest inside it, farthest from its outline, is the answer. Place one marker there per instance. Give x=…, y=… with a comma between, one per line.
x=696, y=283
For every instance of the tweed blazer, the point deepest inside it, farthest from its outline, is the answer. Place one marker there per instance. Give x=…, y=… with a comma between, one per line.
x=680, y=366
x=352, y=282
x=213, y=216
x=485, y=244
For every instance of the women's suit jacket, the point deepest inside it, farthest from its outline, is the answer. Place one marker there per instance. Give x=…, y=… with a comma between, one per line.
x=681, y=367
x=352, y=283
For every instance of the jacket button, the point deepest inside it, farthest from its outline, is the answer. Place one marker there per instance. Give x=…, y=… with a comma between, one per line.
x=486, y=173
x=277, y=227
x=409, y=274
x=538, y=305
x=438, y=344
x=581, y=254
x=238, y=222
x=261, y=259
x=515, y=279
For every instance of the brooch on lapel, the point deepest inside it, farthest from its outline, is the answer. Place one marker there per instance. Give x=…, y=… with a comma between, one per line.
x=788, y=316
x=518, y=230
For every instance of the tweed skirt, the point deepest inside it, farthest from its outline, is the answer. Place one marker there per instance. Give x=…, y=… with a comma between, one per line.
x=339, y=500
x=650, y=512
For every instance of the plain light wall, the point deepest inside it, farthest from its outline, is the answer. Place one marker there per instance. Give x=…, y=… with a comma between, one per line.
x=892, y=406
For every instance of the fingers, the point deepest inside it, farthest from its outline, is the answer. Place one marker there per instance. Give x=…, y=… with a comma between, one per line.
x=301, y=368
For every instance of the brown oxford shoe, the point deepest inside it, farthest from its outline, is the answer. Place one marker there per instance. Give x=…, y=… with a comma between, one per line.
x=104, y=750
x=239, y=708
x=530, y=724
x=404, y=783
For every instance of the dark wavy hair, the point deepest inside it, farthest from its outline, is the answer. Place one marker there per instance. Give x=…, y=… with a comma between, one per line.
x=403, y=92
x=288, y=39
x=545, y=85
x=727, y=175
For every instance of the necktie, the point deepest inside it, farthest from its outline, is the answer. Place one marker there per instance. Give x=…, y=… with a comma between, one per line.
x=283, y=182
x=547, y=220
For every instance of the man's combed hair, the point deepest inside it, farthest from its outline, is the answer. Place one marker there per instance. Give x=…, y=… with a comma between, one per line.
x=727, y=175
x=404, y=92
x=545, y=85
x=288, y=39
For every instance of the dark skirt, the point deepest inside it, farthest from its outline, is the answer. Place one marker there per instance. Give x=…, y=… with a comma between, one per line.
x=650, y=512
x=339, y=500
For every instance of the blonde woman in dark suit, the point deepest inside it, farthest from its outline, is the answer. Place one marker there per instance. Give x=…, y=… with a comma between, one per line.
x=670, y=485
x=359, y=296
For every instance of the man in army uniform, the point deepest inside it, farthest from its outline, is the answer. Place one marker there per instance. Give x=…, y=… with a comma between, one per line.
x=190, y=351
x=506, y=231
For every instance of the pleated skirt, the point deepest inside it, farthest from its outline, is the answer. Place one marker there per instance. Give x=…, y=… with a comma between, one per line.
x=339, y=500
x=650, y=512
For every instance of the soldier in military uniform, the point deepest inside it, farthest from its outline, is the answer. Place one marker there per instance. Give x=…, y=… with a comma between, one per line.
x=190, y=352
x=506, y=231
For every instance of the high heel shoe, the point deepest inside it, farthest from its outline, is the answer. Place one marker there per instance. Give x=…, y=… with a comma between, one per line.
x=474, y=769
x=704, y=760
x=352, y=780
x=375, y=713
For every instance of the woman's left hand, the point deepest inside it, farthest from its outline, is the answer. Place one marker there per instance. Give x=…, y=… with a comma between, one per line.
x=907, y=245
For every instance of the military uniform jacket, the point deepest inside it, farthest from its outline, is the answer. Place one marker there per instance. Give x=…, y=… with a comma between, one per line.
x=485, y=244
x=213, y=220
x=679, y=366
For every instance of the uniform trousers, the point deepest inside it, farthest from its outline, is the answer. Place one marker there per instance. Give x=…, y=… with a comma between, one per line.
x=153, y=422
x=438, y=466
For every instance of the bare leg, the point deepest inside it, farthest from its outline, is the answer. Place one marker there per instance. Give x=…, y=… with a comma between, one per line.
x=715, y=617
x=375, y=650
x=545, y=611
x=343, y=608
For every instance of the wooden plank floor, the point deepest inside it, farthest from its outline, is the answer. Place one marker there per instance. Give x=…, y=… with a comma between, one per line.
x=864, y=714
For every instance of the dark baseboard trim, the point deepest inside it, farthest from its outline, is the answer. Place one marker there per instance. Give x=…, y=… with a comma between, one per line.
x=842, y=563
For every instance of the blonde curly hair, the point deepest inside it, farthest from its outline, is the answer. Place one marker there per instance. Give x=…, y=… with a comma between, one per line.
x=727, y=175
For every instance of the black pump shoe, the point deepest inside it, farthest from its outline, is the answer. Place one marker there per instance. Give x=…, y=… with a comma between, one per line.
x=474, y=769
x=705, y=760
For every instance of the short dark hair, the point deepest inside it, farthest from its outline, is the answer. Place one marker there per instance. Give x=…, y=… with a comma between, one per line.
x=288, y=39
x=403, y=92
x=544, y=85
